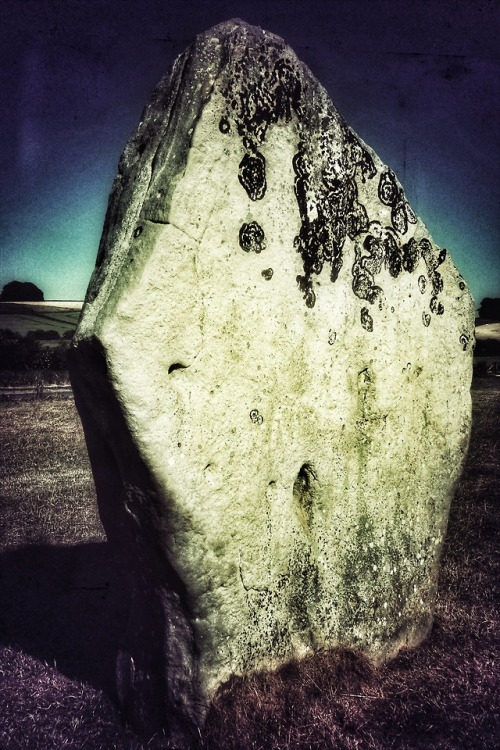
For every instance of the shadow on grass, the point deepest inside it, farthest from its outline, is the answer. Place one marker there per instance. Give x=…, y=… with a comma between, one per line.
x=65, y=605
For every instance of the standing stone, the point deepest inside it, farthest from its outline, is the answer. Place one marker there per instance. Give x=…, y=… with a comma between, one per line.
x=272, y=368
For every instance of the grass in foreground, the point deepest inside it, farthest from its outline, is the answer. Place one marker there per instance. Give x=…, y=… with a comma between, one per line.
x=445, y=694
x=47, y=491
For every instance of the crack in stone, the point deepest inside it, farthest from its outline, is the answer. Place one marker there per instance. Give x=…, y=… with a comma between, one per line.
x=169, y=223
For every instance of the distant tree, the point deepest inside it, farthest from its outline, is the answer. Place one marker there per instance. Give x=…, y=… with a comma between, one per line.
x=21, y=291
x=490, y=308
x=27, y=353
x=18, y=353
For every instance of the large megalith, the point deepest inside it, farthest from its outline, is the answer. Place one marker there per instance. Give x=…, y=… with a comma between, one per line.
x=273, y=371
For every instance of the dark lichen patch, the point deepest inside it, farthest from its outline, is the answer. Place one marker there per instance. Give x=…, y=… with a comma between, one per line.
x=265, y=86
x=388, y=190
x=334, y=200
x=382, y=249
x=252, y=237
x=359, y=156
x=464, y=341
x=224, y=125
x=368, y=262
x=426, y=319
x=305, y=285
x=411, y=255
x=436, y=306
x=433, y=258
x=255, y=417
x=357, y=219
x=391, y=194
x=267, y=273
x=366, y=319
x=393, y=255
x=252, y=175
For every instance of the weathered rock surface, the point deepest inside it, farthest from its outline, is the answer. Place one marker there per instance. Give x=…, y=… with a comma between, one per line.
x=272, y=368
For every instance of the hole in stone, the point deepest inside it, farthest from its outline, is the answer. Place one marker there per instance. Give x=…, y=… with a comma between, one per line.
x=176, y=366
x=304, y=493
x=306, y=476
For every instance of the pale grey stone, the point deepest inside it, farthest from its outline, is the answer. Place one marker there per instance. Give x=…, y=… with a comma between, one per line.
x=273, y=368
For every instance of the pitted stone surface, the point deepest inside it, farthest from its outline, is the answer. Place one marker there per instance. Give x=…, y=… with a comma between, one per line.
x=272, y=368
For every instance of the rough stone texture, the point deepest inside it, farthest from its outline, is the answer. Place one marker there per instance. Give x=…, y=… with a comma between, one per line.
x=272, y=368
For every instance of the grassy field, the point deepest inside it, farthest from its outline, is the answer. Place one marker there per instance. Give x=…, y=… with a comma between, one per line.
x=34, y=340
x=23, y=317
x=61, y=610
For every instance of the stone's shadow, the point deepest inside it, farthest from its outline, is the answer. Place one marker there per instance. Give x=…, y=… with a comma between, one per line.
x=65, y=605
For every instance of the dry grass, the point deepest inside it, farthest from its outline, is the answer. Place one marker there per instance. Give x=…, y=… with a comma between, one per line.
x=47, y=492
x=445, y=694
x=32, y=378
x=40, y=709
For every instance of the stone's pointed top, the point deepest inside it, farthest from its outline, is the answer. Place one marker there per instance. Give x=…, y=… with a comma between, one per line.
x=227, y=28
x=235, y=29
x=234, y=23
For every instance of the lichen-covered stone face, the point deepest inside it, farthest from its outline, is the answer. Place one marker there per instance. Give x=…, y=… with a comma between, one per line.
x=272, y=368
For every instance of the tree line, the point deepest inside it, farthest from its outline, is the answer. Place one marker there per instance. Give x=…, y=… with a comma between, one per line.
x=27, y=352
x=19, y=352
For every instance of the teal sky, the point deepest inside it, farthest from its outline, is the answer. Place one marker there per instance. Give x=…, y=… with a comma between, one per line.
x=419, y=82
